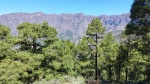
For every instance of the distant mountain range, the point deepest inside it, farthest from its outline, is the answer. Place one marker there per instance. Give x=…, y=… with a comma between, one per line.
x=69, y=26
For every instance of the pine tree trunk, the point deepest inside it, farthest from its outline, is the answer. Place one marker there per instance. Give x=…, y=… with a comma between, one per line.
x=118, y=73
x=110, y=74
x=126, y=74
x=96, y=64
x=148, y=75
x=34, y=46
x=127, y=59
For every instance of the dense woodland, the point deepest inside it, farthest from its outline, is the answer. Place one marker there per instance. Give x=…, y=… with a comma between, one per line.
x=36, y=54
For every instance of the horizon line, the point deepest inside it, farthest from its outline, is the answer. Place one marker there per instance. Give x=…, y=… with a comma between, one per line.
x=62, y=13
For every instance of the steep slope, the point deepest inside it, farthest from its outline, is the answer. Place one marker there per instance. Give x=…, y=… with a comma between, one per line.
x=69, y=26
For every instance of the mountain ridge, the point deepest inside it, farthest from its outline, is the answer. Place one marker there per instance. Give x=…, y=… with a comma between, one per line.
x=69, y=26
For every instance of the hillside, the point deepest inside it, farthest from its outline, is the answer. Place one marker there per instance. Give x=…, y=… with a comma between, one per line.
x=69, y=26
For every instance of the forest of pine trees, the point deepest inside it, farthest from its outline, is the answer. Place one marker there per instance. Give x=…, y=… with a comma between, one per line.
x=36, y=54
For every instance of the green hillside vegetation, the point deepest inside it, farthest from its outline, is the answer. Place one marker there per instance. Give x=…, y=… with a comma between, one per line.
x=37, y=56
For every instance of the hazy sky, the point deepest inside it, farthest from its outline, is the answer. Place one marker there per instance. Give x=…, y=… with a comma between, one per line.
x=87, y=7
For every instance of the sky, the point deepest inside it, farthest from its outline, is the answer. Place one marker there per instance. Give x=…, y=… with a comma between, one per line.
x=87, y=7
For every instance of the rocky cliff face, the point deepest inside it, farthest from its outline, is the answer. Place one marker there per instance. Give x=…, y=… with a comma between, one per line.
x=69, y=26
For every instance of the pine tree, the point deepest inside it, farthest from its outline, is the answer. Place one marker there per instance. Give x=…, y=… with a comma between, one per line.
x=4, y=46
x=94, y=34
x=32, y=36
x=140, y=26
x=11, y=71
x=84, y=62
x=110, y=50
x=140, y=18
x=58, y=59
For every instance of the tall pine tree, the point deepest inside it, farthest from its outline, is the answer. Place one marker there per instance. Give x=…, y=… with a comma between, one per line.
x=94, y=33
x=140, y=26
